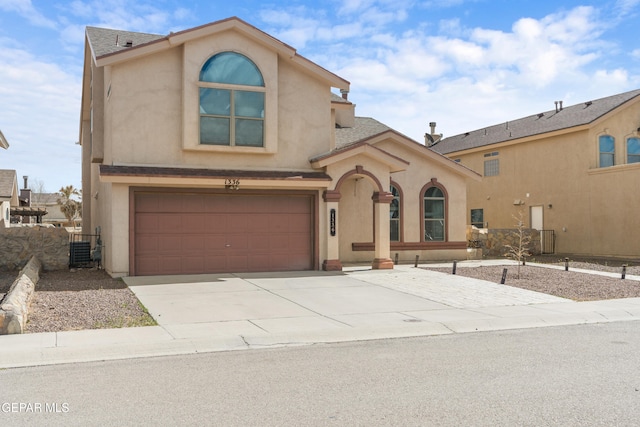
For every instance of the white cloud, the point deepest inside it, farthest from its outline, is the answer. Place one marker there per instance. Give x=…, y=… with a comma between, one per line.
x=25, y=9
x=38, y=116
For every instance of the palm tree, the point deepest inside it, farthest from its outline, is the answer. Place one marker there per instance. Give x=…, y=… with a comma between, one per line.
x=70, y=202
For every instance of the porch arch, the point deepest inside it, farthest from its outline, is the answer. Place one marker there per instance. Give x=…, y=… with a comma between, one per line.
x=382, y=199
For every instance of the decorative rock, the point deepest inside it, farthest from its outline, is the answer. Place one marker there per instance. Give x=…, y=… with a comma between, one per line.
x=19, y=244
x=15, y=305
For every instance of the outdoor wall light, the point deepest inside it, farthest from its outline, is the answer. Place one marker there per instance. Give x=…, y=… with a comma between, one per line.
x=550, y=205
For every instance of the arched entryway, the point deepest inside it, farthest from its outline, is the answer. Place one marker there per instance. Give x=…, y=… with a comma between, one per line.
x=358, y=210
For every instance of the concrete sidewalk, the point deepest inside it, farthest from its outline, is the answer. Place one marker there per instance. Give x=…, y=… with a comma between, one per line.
x=208, y=313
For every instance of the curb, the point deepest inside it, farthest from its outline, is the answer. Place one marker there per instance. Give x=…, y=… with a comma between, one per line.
x=14, y=308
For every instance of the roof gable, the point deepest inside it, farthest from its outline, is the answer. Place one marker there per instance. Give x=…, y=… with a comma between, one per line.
x=549, y=121
x=111, y=46
x=9, y=185
x=370, y=131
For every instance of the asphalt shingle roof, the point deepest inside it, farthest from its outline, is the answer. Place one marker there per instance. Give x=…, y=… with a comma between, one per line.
x=7, y=183
x=365, y=127
x=537, y=124
x=105, y=41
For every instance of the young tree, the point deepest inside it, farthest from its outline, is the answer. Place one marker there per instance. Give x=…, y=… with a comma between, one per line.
x=520, y=249
x=38, y=190
x=70, y=202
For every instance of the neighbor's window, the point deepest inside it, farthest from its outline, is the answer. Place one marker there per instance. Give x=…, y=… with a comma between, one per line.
x=394, y=215
x=491, y=166
x=232, y=99
x=434, y=202
x=607, y=148
x=477, y=218
x=633, y=150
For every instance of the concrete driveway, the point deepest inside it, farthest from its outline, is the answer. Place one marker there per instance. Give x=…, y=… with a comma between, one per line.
x=358, y=303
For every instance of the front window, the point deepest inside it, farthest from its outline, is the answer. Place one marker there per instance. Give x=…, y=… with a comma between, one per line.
x=232, y=101
x=607, y=151
x=492, y=166
x=434, y=215
x=394, y=214
x=477, y=218
x=633, y=150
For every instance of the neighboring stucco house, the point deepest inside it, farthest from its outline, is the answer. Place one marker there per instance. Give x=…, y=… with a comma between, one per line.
x=221, y=149
x=49, y=202
x=574, y=171
x=9, y=195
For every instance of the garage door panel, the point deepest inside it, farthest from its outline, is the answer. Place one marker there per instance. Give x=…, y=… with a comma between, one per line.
x=193, y=243
x=170, y=223
x=170, y=264
x=215, y=223
x=192, y=203
x=237, y=263
x=193, y=223
x=238, y=222
x=146, y=203
x=237, y=242
x=146, y=222
x=258, y=224
x=193, y=263
x=215, y=242
x=259, y=242
x=298, y=242
x=298, y=223
x=169, y=243
x=201, y=233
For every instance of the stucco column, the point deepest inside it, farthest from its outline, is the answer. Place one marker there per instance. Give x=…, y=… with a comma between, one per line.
x=382, y=251
x=332, y=257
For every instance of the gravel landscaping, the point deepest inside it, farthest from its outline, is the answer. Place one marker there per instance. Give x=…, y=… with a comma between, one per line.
x=69, y=300
x=91, y=299
x=566, y=284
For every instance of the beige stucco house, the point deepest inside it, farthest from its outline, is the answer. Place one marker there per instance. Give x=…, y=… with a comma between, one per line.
x=574, y=171
x=221, y=149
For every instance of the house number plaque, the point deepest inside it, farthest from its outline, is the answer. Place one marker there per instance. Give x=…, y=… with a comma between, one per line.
x=231, y=183
x=332, y=222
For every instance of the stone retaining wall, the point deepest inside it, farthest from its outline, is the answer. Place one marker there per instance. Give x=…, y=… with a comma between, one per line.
x=49, y=244
x=493, y=242
x=14, y=308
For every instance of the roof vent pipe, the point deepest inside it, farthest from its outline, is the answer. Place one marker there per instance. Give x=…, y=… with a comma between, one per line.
x=556, y=102
x=560, y=105
x=432, y=125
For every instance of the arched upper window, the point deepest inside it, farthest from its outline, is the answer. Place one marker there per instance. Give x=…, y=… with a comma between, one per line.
x=394, y=214
x=232, y=101
x=633, y=150
x=607, y=147
x=434, y=214
x=231, y=68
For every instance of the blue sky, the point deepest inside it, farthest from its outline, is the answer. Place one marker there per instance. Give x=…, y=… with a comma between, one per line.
x=464, y=64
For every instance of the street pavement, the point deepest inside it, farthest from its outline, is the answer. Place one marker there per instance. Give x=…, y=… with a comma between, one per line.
x=208, y=313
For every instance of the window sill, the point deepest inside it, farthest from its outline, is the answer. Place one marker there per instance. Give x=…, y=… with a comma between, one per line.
x=410, y=246
x=614, y=169
x=229, y=149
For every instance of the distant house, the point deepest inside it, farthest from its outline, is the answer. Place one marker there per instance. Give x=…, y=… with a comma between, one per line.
x=9, y=196
x=574, y=171
x=221, y=149
x=3, y=141
x=49, y=202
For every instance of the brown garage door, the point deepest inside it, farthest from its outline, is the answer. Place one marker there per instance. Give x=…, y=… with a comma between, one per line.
x=185, y=233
